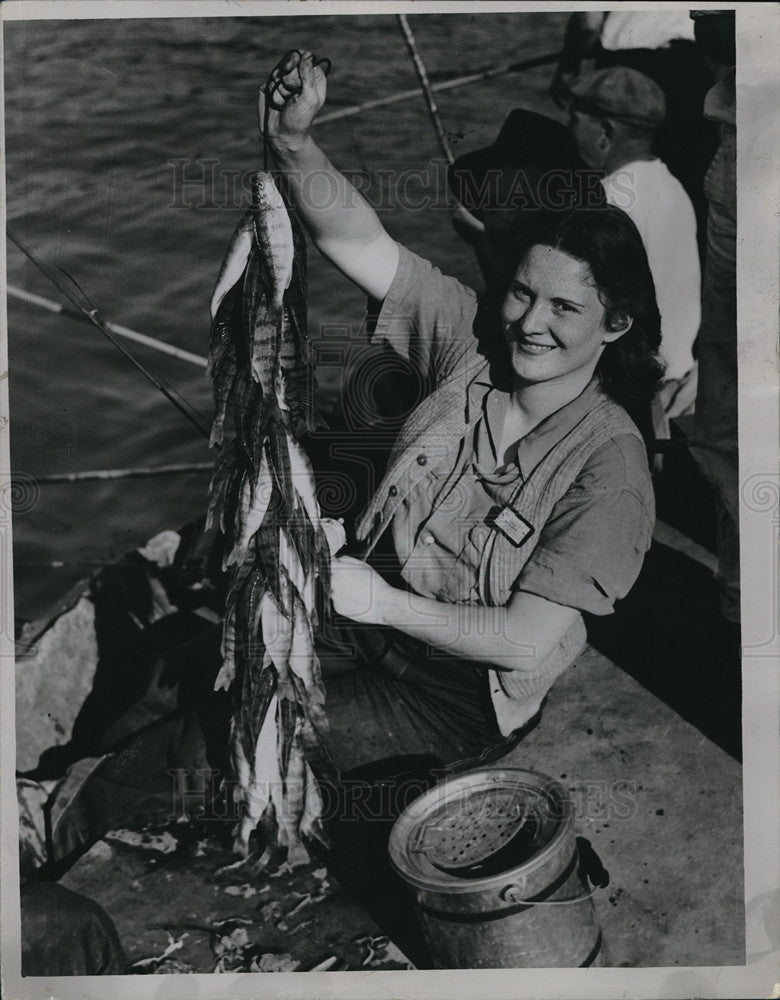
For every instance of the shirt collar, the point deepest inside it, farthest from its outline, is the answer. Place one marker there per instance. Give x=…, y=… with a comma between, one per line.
x=532, y=448
x=478, y=387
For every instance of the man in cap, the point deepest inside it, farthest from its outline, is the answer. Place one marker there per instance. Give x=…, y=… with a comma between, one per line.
x=614, y=115
x=660, y=44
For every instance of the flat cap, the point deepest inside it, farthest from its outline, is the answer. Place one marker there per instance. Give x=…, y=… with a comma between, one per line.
x=622, y=94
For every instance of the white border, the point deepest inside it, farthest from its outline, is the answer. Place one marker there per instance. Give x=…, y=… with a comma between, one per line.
x=758, y=39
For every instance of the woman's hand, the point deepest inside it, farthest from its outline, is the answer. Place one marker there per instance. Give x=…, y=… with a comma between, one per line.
x=342, y=225
x=299, y=87
x=358, y=592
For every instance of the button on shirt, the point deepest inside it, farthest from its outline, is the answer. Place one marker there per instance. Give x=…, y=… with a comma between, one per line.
x=589, y=552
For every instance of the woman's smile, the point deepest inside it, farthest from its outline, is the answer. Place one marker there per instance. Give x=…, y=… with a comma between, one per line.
x=532, y=346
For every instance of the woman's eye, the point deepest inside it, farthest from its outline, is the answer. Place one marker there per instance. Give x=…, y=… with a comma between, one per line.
x=563, y=307
x=519, y=292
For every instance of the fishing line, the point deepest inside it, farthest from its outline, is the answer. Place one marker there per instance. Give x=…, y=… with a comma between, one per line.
x=182, y=405
x=163, y=383
x=272, y=87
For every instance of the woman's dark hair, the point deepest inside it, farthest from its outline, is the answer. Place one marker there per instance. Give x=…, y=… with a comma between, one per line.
x=605, y=239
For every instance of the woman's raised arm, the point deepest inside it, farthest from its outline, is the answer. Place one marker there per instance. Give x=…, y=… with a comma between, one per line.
x=342, y=225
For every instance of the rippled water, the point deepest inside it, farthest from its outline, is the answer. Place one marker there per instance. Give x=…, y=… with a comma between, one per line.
x=104, y=121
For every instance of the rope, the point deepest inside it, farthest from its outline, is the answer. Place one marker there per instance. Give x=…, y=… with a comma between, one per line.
x=121, y=331
x=181, y=404
x=129, y=473
x=460, y=81
x=425, y=85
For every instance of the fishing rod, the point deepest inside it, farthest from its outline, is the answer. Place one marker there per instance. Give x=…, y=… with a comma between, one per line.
x=425, y=86
x=137, y=472
x=461, y=81
x=121, y=331
x=91, y=314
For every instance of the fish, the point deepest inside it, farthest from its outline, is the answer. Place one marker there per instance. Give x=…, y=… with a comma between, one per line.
x=310, y=823
x=262, y=330
x=263, y=498
x=298, y=372
x=303, y=479
x=259, y=782
x=302, y=660
x=234, y=261
x=224, y=471
x=224, y=378
x=277, y=632
x=228, y=652
x=292, y=808
x=273, y=257
x=274, y=235
x=253, y=506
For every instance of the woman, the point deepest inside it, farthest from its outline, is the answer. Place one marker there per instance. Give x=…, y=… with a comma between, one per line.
x=518, y=494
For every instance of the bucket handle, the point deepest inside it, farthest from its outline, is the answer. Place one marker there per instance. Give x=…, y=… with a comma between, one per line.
x=590, y=866
x=511, y=894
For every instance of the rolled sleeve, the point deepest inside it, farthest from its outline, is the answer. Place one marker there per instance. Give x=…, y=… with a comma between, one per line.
x=427, y=317
x=592, y=548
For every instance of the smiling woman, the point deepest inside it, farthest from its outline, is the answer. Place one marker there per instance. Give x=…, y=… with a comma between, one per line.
x=505, y=484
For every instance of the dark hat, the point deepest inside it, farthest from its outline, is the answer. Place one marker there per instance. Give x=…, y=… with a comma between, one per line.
x=533, y=164
x=622, y=94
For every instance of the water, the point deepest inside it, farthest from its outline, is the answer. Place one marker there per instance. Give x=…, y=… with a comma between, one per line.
x=104, y=120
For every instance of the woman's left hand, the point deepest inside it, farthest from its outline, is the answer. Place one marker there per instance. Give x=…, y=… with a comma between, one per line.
x=358, y=591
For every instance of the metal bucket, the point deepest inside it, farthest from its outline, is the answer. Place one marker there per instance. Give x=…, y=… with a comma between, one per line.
x=496, y=872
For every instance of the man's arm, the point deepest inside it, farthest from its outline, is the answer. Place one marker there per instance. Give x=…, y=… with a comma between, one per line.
x=342, y=225
x=518, y=636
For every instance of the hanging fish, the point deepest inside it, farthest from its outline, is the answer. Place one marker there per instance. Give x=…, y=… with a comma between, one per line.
x=263, y=498
x=267, y=278
x=234, y=262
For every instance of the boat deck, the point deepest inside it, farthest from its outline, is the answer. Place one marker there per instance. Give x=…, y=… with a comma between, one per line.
x=659, y=802
x=644, y=731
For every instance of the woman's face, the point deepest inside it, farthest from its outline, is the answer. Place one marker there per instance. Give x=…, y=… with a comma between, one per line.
x=553, y=319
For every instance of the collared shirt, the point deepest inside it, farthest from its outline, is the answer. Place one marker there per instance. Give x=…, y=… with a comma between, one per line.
x=634, y=29
x=590, y=551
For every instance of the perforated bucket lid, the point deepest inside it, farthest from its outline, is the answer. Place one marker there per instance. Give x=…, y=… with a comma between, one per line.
x=466, y=835
x=510, y=816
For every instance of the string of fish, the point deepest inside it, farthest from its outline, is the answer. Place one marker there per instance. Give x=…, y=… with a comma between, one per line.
x=262, y=498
